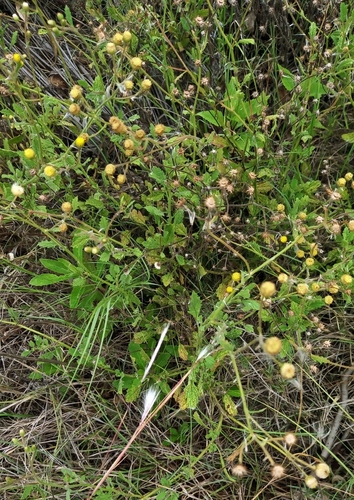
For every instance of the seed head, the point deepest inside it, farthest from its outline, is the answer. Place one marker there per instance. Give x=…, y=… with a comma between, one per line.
x=333, y=287
x=311, y=482
x=74, y=109
x=63, y=227
x=239, y=470
x=159, y=129
x=302, y=288
x=17, y=190
x=66, y=207
x=322, y=470
x=287, y=371
x=272, y=345
x=267, y=289
x=210, y=203
x=290, y=439
x=277, y=471
x=76, y=92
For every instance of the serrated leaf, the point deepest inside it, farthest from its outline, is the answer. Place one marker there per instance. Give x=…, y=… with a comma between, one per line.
x=167, y=279
x=48, y=279
x=68, y=15
x=133, y=391
x=158, y=174
x=192, y=395
x=47, y=244
x=154, y=211
x=320, y=359
x=195, y=305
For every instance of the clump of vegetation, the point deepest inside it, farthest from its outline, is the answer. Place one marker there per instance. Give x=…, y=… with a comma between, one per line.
x=177, y=249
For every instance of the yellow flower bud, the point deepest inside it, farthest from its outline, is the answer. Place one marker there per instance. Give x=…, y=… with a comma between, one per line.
x=309, y=261
x=229, y=289
x=283, y=239
x=29, y=153
x=322, y=470
x=110, y=169
x=333, y=287
x=117, y=38
x=128, y=84
x=74, y=109
x=80, y=141
x=236, y=276
x=121, y=179
x=50, y=171
x=346, y=279
x=63, y=227
x=280, y=207
x=128, y=152
x=300, y=254
x=302, y=215
x=313, y=249
x=127, y=36
x=348, y=176
x=128, y=144
x=328, y=299
x=17, y=58
x=351, y=225
x=283, y=278
x=311, y=482
x=146, y=84
x=341, y=182
x=267, y=289
x=315, y=287
x=140, y=134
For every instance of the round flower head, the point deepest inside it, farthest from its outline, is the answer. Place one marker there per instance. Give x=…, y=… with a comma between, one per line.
x=17, y=58
x=140, y=134
x=110, y=48
x=311, y=482
x=127, y=36
x=322, y=470
x=80, y=141
x=239, y=470
x=229, y=289
x=159, y=129
x=290, y=439
x=128, y=84
x=267, y=289
x=50, y=171
x=277, y=471
x=74, y=109
x=29, y=153
x=346, y=279
x=272, y=345
x=328, y=299
x=76, y=92
x=136, y=63
x=146, y=84
x=302, y=288
x=110, y=169
x=17, y=190
x=117, y=38
x=287, y=371
x=128, y=144
x=66, y=207
x=283, y=278
x=121, y=179
x=236, y=276
x=341, y=182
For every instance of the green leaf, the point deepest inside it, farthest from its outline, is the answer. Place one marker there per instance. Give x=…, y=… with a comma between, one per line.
x=320, y=359
x=47, y=244
x=68, y=15
x=192, y=395
x=158, y=174
x=195, y=305
x=48, y=279
x=133, y=391
x=349, y=137
x=60, y=266
x=154, y=211
x=167, y=279
x=214, y=117
x=248, y=41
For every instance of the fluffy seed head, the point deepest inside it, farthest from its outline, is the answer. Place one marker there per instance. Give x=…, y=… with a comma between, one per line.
x=239, y=470
x=210, y=203
x=287, y=371
x=277, y=471
x=290, y=438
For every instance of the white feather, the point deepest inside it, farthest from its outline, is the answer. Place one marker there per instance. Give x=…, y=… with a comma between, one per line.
x=157, y=348
x=149, y=399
